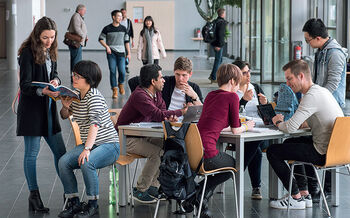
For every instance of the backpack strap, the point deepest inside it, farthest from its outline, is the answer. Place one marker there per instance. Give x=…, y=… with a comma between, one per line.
x=180, y=133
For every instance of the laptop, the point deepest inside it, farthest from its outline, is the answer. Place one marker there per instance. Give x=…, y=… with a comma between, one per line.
x=193, y=114
x=266, y=113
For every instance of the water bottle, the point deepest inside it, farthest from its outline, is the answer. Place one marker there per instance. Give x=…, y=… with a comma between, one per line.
x=112, y=196
x=242, y=111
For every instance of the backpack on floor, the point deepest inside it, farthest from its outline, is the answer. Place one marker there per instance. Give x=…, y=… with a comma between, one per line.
x=208, y=32
x=176, y=177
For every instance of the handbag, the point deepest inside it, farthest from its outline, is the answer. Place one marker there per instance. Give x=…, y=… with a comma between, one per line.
x=72, y=39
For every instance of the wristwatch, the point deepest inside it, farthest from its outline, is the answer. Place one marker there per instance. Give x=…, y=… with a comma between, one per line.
x=278, y=122
x=87, y=148
x=194, y=99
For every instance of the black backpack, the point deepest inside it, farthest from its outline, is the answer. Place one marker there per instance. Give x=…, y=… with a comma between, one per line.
x=208, y=32
x=175, y=175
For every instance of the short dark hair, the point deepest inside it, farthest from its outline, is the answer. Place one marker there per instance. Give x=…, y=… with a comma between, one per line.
x=315, y=27
x=147, y=73
x=226, y=72
x=123, y=9
x=297, y=66
x=90, y=71
x=241, y=64
x=113, y=13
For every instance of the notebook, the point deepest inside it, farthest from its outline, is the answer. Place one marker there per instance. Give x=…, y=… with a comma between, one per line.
x=193, y=114
x=266, y=113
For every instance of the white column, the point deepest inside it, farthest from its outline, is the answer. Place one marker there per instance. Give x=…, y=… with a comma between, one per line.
x=11, y=25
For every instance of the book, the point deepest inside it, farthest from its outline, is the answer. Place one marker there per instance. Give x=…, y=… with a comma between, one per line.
x=64, y=91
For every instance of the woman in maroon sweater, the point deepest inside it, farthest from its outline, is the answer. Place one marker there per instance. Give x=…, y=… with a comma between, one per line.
x=220, y=113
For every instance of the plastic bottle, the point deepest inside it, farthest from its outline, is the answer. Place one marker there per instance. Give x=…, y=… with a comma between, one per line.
x=242, y=111
x=111, y=186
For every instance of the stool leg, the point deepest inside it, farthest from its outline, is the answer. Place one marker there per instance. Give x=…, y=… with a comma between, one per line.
x=235, y=192
x=290, y=185
x=157, y=207
x=321, y=188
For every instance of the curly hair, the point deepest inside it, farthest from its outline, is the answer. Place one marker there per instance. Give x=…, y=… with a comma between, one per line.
x=34, y=42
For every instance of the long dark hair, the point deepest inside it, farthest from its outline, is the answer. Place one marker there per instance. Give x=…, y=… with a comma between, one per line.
x=34, y=42
x=148, y=18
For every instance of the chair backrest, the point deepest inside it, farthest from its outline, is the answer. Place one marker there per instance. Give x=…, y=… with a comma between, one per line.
x=338, y=152
x=194, y=146
x=115, y=112
x=76, y=130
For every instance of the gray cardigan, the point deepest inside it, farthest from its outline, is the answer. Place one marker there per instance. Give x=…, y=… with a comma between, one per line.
x=77, y=26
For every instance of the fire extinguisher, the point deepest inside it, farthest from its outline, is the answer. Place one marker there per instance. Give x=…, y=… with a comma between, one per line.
x=297, y=52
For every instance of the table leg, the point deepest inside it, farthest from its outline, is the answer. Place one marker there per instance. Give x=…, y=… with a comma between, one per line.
x=123, y=193
x=335, y=187
x=239, y=142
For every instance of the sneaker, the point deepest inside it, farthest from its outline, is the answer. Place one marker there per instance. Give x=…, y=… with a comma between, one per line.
x=143, y=197
x=153, y=192
x=256, y=194
x=294, y=204
x=308, y=201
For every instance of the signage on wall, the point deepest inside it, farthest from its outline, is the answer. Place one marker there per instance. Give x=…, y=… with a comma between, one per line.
x=138, y=14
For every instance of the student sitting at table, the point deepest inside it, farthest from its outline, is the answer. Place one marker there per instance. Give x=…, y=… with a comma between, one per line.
x=146, y=104
x=318, y=110
x=178, y=90
x=251, y=95
x=100, y=146
x=220, y=113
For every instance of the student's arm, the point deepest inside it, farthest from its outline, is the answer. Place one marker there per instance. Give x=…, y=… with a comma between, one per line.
x=102, y=39
x=249, y=125
x=65, y=111
x=335, y=68
x=77, y=25
x=160, y=45
x=90, y=141
x=140, y=48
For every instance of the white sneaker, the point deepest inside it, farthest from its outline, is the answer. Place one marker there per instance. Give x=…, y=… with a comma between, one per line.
x=308, y=201
x=294, y=204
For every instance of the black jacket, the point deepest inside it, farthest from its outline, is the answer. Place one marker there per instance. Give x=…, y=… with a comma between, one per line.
x=32, y=114
x=258, y=90
x=220, y=31
x=168, y=89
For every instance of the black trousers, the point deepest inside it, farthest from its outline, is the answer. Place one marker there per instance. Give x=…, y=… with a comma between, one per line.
x=299, y=149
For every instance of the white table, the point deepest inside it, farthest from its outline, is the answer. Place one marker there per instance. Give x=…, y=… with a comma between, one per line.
x=275, y=187
x=201, y=48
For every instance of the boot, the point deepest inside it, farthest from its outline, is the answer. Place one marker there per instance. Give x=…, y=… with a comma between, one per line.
x=121, y=89
x=115, y=92
x=35, y=202
x=73, y=207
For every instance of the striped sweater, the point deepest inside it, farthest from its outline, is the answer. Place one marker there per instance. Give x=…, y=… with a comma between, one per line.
x=91, y=110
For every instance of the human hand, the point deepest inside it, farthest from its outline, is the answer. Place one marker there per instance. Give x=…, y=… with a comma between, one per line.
x=108, y=49
x=46, y=91
x=184, y=109
x=248, y=95
x=132, y=43
x=128, y=56
x=66, y=101
x=172, y=118
x=84, y=155
x=188, y=90
x=217, y=48
x=54, y=82
x=250, y=124
x=262, y=98
x=278, y=117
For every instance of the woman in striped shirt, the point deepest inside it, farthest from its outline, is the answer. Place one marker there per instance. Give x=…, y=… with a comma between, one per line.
x=100, y=146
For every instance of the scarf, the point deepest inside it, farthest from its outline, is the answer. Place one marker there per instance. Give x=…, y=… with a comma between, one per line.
x=148, y=35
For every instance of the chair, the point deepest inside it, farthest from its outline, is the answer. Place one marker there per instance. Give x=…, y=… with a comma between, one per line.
x=194, y=150
x=338, y=155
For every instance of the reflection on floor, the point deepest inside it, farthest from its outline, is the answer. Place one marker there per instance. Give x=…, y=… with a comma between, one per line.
x=14, y=191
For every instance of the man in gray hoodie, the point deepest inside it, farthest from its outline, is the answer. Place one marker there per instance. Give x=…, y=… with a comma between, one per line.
x=329, y=72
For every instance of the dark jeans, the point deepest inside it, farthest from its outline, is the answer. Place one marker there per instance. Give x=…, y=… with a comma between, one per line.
x=114, y=62
x=217, y=62
x=299, y=149
x=155, y=61
x=75, y=56
x=254, y=166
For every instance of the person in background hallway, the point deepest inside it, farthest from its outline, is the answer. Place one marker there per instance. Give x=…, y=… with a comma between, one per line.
x=115, y=39
x=78, y=27
x=100, y=146
x=37, y=113
x=329, y=72
x=129, y=29
x=150, y=42
x=219, y=42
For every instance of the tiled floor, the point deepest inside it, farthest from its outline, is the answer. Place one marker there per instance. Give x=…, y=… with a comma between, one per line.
x=13, y=187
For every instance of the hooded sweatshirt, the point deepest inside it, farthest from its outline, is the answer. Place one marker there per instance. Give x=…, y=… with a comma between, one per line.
x=330, y=69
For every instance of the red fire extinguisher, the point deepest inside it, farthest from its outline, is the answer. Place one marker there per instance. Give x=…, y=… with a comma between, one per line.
x=297, y=52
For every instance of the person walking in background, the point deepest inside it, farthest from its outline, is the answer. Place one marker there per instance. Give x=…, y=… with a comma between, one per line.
x=77, y=26
x=150, y=42
x=218, y=44
x=100, y=146
x=115, y=39
x=37, y=114
x=129, y=29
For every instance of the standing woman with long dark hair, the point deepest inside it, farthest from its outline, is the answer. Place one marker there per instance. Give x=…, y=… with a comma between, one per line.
x=37, y=114
x=150, y=42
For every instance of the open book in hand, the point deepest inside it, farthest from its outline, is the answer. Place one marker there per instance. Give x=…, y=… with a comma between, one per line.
x=64, y=91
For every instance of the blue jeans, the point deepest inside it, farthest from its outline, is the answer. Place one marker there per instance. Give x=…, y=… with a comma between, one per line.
x=217, y=62
x=75, y=56
x=115, y=61
x=101, y=156
x=32, y=148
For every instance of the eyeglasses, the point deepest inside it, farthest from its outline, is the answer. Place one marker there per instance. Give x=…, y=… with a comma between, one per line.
x=308, y=40
x=76, y=76
x=246, y=72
